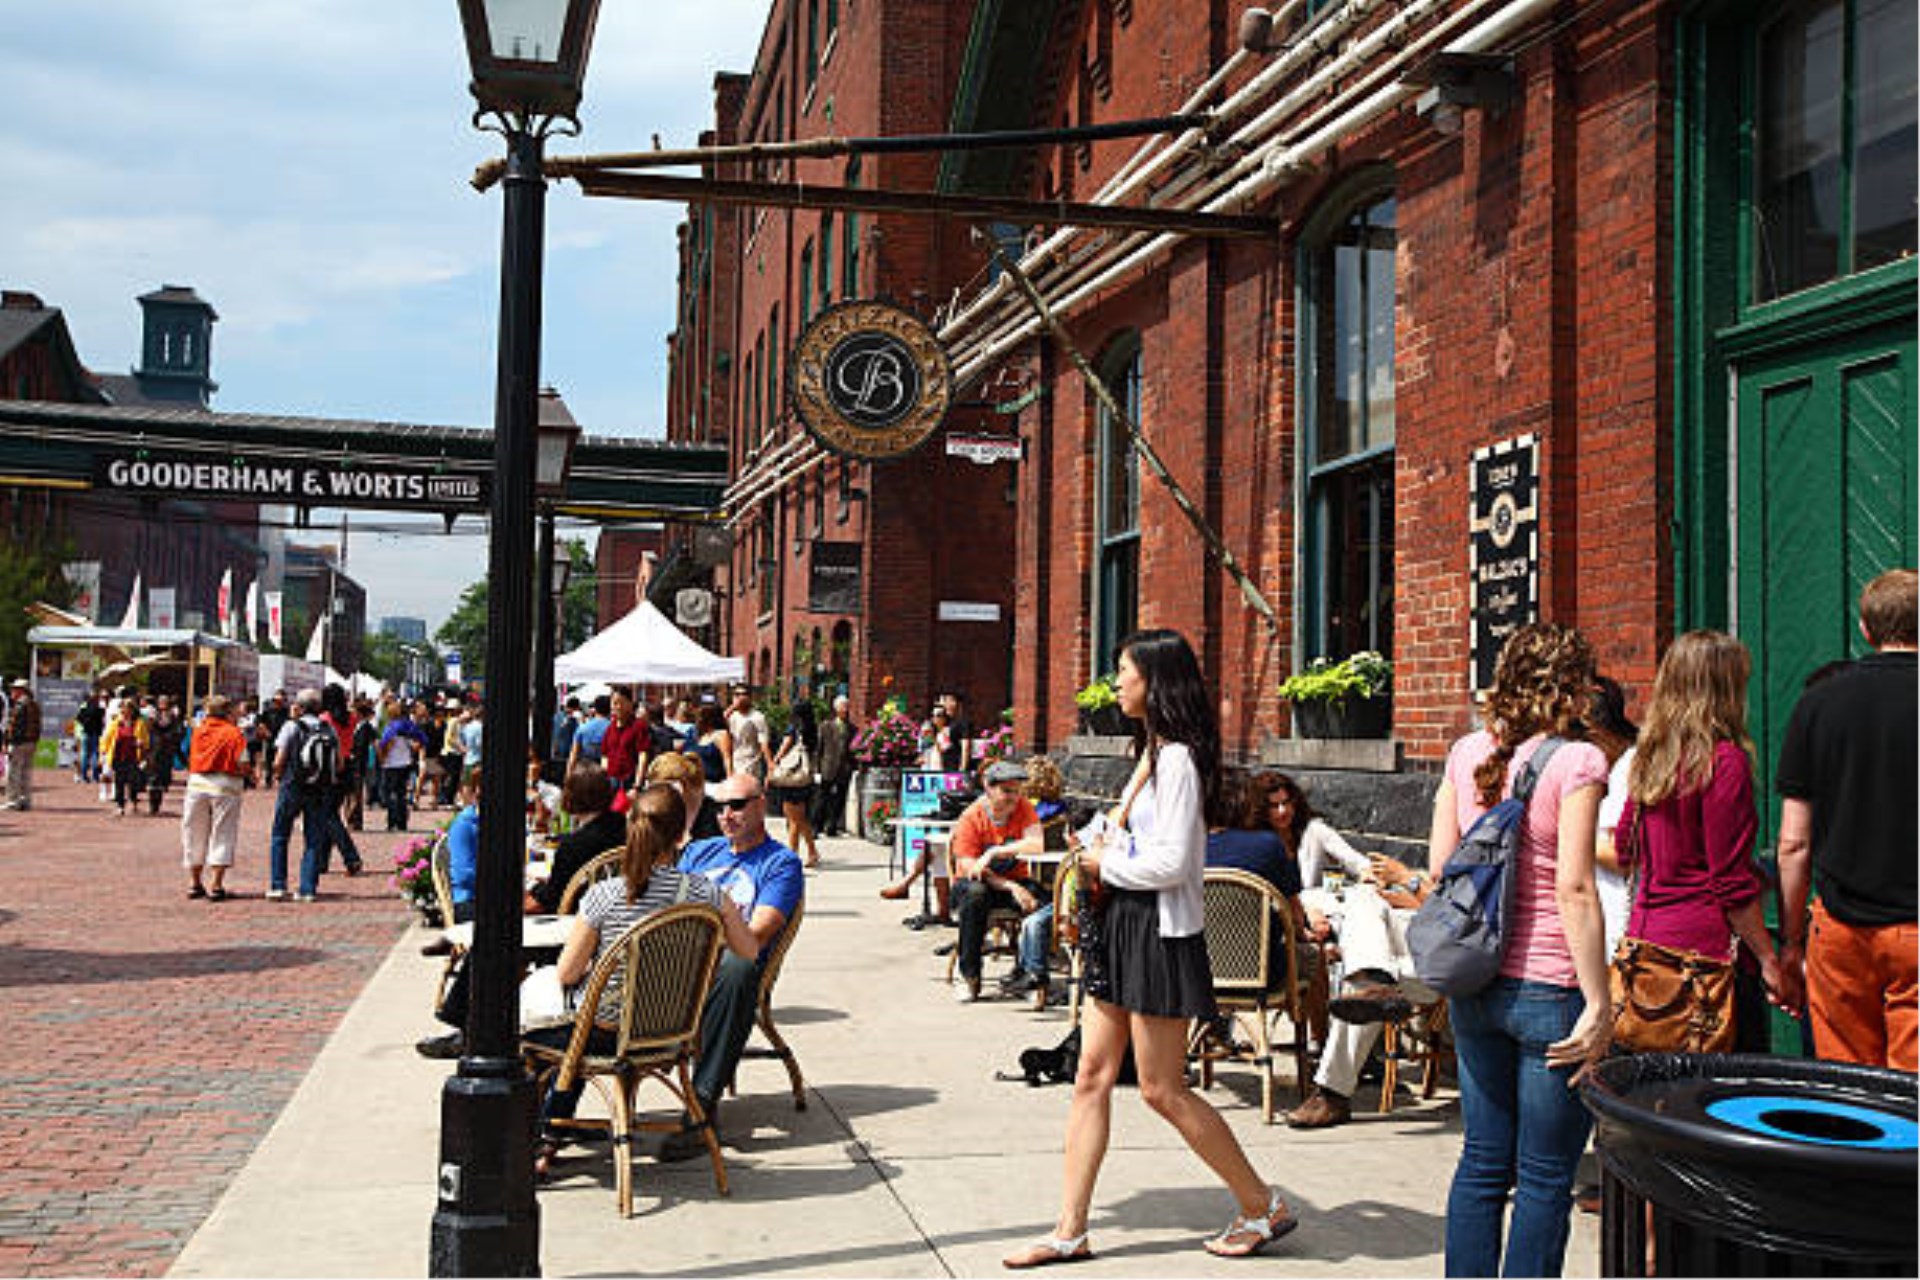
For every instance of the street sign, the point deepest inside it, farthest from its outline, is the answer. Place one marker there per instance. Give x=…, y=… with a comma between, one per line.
x=1503, y=565
x=985, y=450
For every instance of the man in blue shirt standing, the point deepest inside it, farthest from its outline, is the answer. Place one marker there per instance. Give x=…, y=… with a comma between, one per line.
x=765, y=880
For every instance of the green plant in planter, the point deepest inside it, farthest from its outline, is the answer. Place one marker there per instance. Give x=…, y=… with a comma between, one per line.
x=1364, y=675
x=1102, y=693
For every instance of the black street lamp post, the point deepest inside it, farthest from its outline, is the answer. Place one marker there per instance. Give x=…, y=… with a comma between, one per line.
x=528, y=59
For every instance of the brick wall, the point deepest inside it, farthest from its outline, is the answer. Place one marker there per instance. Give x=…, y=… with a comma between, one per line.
x=1532, y=278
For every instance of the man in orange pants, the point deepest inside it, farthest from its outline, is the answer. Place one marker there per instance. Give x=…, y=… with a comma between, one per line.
x=1847, y=778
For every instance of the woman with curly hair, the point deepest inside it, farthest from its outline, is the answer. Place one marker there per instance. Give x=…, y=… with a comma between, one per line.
x=1526, y=1038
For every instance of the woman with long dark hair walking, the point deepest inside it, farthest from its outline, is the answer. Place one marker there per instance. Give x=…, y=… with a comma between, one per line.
x=1151, y=974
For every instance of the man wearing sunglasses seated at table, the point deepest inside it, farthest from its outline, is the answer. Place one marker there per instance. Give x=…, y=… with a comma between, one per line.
x=766, y=881
x=988, y=872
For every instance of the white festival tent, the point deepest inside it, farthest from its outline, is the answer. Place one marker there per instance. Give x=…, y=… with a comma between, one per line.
x=645, y=648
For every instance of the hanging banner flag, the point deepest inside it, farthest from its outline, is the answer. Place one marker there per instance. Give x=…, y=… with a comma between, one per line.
x=161, y=610
x=224, y=610
x=84, y=576
x=317, y=642
x=273, y=618
x=451, y=661
x=131, y=620
x=253, y=612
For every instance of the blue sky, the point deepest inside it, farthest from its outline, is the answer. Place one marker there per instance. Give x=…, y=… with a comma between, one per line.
x=305, y=168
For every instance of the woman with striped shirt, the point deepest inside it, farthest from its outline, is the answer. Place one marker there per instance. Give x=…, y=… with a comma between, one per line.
x=647, y=883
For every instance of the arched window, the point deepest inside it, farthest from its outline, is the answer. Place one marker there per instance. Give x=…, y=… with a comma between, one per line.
x=1346, y=309
x=1116, y=510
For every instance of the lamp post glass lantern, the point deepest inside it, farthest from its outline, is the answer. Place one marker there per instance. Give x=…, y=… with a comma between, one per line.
x=486, y=1219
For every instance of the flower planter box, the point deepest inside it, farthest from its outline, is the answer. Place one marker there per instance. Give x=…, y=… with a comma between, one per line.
x=1106, y=722
x=1352, y=718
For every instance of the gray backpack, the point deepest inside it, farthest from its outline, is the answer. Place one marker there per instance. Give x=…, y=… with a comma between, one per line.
x=1459, y=934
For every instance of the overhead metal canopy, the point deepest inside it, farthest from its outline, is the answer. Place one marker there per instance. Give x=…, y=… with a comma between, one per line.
x=335, y=462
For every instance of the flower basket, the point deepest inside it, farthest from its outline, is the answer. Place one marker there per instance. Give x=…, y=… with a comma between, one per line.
x=413, y=877
x=1351, y=698
x=1100, y=712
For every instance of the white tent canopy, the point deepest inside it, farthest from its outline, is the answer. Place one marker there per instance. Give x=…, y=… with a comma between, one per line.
x=645, y=648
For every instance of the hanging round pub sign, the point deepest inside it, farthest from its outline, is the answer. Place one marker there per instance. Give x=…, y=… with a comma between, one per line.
x=869, y=380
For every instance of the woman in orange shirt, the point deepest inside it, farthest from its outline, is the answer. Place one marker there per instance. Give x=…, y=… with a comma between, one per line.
x=210, y=815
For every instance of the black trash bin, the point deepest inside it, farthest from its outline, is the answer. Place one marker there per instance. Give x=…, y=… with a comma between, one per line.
x=1749, y=1165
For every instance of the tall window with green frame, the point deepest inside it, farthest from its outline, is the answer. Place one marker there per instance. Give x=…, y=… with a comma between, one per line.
x=1833, y=145
x=806, y=283
x=1116, y=531
x=776, y=358
x=1347, y=426
x=850, y=241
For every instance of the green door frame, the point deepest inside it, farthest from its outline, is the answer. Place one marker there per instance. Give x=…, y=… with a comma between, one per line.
x=1714, y=327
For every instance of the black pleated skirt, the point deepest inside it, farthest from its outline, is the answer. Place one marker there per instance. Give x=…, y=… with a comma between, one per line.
x=1129, y=964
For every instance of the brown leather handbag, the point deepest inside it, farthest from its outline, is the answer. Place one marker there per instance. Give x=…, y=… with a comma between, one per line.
x=1667, y=1000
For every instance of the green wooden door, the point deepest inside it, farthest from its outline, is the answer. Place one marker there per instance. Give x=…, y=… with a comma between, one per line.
x=1826, y=469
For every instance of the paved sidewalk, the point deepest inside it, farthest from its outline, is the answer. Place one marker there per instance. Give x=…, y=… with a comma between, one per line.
x=911, y=1160
x=151, y=1041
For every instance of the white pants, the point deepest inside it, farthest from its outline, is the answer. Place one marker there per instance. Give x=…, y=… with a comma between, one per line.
x=1372, y=935
x=209, y=826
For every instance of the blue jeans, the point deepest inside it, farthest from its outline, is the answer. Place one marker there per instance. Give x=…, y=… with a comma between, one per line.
x=90, y=757
x=1525, y=1130
x=1035, y=933
x=310, y=808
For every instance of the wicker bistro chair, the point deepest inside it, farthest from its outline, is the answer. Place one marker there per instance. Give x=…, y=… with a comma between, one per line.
x=1425, y=1037
x=601, y=866
x=1064, y=885
x=439, y=863
x=1003, y=931
x=668, y=961
x=778, y=1047
x=1248, y=978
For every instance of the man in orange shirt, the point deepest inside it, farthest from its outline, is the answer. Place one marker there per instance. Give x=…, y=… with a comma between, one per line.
x=210, y=815
x=988, y=873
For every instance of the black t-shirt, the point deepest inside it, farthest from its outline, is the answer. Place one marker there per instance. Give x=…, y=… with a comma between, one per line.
x=1850, y=752
x=575, y=850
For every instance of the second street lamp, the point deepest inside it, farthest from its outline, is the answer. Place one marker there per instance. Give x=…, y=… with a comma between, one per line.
x=528, y=60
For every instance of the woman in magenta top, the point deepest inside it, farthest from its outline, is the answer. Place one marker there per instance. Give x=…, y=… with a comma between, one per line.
x=1689, y=823
x=1524, y=1039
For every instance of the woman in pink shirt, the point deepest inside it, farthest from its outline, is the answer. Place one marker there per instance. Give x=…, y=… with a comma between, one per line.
x=1523, y=1041
x=1689, y=824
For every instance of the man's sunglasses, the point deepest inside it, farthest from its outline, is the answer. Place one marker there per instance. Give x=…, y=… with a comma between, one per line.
x=736, y=804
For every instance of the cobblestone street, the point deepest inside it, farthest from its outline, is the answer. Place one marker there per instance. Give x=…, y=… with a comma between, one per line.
x=150, y=1041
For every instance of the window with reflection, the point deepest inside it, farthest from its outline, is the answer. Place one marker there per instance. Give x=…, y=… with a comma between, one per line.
x=1117, y=506
x=1347, y=430
x=1834, y=141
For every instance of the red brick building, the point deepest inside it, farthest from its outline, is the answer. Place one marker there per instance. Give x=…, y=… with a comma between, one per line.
x=1602, y=313
x=1618, y=231
x=837, y=570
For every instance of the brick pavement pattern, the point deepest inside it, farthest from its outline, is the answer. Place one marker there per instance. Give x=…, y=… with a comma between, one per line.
x=151, y=1040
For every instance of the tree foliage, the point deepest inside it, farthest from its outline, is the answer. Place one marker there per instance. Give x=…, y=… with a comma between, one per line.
x=466, y=627
x=29, y=572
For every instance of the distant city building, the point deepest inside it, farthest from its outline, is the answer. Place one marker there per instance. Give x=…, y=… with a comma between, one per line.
x=315, y=584
x=406, y=630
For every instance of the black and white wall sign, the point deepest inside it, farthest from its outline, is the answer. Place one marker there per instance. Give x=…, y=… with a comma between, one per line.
x=833, y=580
x=870, y=380
x=1503, y=560
x=242, y=479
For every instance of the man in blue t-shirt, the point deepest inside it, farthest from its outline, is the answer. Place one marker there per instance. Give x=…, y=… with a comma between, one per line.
x=588, y=737
x=765, y=880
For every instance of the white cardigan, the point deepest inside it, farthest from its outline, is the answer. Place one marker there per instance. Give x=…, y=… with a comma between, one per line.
x=1320, y=847
x=1165, y=845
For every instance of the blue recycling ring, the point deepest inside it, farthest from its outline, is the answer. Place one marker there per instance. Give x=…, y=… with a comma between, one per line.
x=1819, y=1121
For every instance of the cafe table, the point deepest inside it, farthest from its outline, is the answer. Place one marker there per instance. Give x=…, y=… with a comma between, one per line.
x=536, y=932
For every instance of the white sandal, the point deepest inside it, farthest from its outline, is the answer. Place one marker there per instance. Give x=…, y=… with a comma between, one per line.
x=1050, y=1252
x=1267, y=1228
